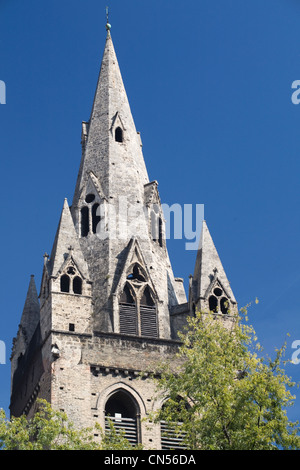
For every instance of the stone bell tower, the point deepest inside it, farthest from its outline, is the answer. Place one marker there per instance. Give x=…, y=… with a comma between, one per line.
x=109, y=305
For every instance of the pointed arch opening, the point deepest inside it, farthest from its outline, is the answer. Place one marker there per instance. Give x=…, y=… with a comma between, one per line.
x=160, y=232
x=119, y=135
x=126, y=296
x=124, y=413
x=148, y=314
x=77, y=285
x=224, y=304
x=213, y=304
x=147, y=298
x=95, y=217
x=65, y=283
x=172, y=437
x=156, y=228
x=85, y=221
x=128, y=312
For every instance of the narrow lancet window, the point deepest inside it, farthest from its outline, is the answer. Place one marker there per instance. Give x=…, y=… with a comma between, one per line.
x=148, y=315
x=85, y=221
x=156, y=228
x=213, y=304
x=128, y=313
x=224, y=305
x=160, y=239
x=95, y=218
x=119, y=134
x=77, y=285
x=65, y=283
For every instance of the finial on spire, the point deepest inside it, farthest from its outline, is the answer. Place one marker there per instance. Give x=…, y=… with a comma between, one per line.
x=108, y=26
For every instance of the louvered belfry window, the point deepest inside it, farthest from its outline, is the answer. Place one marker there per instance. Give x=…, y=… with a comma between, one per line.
x=148, y=315
x=137, y=309
x=172, y=435
x=123, y=412
x=171, y=438
x=128, y=313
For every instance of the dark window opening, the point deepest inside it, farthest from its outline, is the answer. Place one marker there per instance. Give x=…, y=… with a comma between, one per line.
x=71, y=327
x=156, y=228
x=85, y=221
x=77, y=285
x=224, y=305
x=65, y=283
x=71, y=270
x=126, y=296
x=147, y=298
x=90, y=198
x=218, y=291
x=122, y=410
x=119, y=134
x=213, y=304
x=136, y=274
x=95, y=218
x=160, y=239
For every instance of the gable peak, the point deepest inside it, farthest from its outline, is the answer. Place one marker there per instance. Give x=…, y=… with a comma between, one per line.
x=66, y=236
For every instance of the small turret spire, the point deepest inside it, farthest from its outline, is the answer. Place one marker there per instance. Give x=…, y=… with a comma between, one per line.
x=31, y=311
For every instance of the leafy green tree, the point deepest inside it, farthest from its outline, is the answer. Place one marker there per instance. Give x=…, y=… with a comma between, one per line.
x=231, y=396
x=51, y=430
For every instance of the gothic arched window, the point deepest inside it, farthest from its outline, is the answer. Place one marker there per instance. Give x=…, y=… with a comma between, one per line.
x=156, y=228
x=77, y=285
x=123, y=411
x=148, y=315
x=85, y=221
x=218, y=302
x=224, y=305
x=160, y=232
x=128, y=313
x=89, y=216
x=65, y=283
x=172, y=437
x=213, y=304
x=118, y=134
x=95, y=218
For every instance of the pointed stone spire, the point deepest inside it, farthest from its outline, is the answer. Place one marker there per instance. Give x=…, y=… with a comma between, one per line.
x=66, y=236
x=31, y=311
x=111, y=144
x=209, y=271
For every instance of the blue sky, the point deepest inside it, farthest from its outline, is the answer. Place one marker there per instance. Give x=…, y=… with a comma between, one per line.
x=209, y=85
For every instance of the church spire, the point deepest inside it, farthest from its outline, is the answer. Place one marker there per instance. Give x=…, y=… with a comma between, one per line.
x=111, y=145
x=210, y=284
x=31, y=311
x=66, y=237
